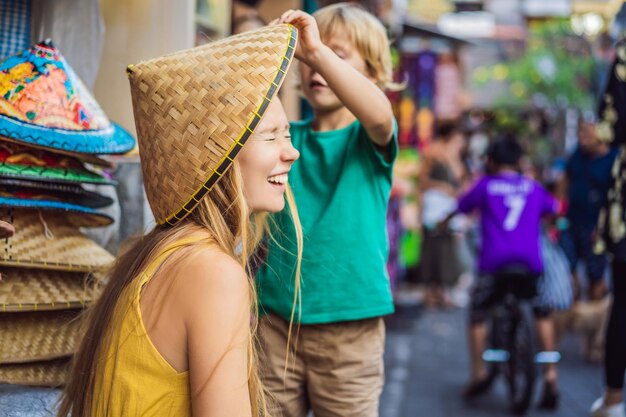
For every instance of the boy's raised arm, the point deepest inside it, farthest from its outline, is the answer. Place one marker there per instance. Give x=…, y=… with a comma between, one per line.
x=358, y=93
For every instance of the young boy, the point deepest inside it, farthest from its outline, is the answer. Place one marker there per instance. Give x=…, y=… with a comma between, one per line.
x=341, y=186
x=511, y=207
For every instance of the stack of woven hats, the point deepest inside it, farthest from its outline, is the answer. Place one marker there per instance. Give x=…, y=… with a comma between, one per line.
x=51, y=130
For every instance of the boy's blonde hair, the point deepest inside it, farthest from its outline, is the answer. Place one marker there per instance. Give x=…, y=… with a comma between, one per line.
x=366, y=33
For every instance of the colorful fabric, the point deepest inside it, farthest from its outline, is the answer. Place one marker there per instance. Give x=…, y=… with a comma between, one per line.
x=555, y=289
x=42, y=102
x=341, y=185
x=511, y=207
x=15, y=16
x=24, y=162
x=612, y=129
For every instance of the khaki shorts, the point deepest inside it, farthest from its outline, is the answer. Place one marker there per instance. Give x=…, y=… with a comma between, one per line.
x=338, y=370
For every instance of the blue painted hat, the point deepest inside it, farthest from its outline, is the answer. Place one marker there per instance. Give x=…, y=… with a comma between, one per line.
x=79, y=216
x=43, y=103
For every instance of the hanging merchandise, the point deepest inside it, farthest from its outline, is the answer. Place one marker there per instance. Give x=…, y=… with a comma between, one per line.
x=51, y=129
x=15, y=18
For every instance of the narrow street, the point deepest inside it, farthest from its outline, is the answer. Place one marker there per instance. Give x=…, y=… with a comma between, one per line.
x=426, y=363
x=427, y=366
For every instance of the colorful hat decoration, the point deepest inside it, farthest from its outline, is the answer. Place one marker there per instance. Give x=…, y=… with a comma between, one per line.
x=59, y=192
x=28, y=163
x=195, y=109
x=44, y=103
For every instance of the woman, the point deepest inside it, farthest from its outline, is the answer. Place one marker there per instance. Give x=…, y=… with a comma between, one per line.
x=442, y=175
x=171, y=333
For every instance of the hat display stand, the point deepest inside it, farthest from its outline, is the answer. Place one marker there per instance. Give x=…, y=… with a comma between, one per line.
x=51, y=133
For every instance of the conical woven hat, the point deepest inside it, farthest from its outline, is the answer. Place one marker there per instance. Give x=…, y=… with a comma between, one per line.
x=195, y=109
x=49, y=241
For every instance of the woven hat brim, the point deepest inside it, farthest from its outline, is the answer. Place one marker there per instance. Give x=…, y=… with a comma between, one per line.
x=52, y=373
x=30, y=289
x=63, y=175
x=69, y=193
x=40, y=336
x=111, y=140
x=80, y=216
x=65, y=249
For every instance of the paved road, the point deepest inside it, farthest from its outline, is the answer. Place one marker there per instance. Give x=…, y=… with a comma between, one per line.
x=427, y=366
x=426, y=369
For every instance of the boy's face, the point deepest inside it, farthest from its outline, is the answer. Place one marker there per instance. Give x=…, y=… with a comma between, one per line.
x=315, y=88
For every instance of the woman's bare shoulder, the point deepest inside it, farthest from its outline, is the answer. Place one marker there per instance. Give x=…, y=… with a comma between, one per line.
x=208, y=281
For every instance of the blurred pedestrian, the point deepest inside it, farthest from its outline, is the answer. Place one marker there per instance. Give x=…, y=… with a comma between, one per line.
x=585, y=185
x=442, y=175
x=612, y=237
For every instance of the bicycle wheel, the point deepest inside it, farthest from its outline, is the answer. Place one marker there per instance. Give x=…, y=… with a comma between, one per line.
x=520, y=370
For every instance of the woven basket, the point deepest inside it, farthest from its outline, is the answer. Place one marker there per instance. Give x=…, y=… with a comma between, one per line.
x=195, y=109
x=52, y=373
x=65, y=248
x=23, y=289
x=30, y=337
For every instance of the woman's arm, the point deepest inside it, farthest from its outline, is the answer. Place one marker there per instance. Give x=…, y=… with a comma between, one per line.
x=216, y=309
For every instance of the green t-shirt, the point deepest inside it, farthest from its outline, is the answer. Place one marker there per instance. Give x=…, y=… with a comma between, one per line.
x=341, y=185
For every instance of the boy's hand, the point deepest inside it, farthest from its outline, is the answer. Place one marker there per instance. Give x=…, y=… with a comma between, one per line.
x=6, y=230
x=309, y=41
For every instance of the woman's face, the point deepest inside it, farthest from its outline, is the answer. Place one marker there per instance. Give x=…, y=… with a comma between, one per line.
x=266, y=159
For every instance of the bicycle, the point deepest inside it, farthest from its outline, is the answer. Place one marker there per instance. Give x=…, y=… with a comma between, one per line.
x=513, y=348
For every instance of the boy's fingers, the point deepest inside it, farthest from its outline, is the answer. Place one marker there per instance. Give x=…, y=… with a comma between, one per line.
x=285, y=15
x=6, y=230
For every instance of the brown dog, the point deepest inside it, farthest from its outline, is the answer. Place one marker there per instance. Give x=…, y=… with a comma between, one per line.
x=588, y=319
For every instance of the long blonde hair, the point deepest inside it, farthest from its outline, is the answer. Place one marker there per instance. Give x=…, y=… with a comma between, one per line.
x=225, y=215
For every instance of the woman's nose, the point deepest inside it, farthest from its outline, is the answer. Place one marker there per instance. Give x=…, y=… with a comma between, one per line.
x=289, y=153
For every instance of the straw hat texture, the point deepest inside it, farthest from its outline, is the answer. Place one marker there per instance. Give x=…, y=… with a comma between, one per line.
x=49, y=241
x=195, y=109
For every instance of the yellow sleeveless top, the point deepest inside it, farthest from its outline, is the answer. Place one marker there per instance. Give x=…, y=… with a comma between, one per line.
x=132, y=378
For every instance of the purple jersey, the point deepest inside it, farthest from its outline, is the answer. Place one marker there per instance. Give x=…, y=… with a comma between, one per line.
x=511, y=207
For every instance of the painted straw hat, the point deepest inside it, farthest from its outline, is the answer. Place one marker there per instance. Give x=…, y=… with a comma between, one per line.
x=44, y=103
x=49, y=241
x=67, y=193
x=195, y=110
x=78, y=216
x=25, y=162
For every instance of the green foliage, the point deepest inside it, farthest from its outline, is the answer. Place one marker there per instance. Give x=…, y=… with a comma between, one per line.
x=554, y=70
